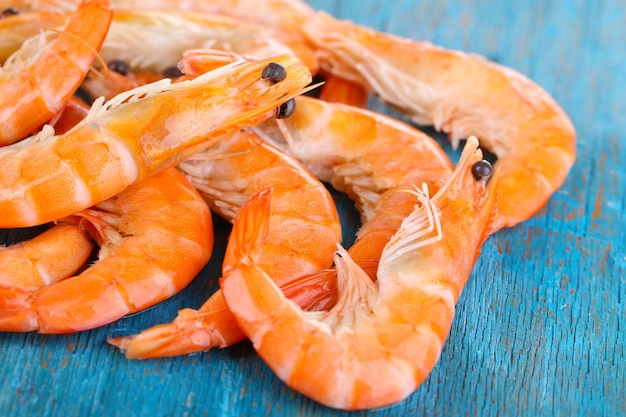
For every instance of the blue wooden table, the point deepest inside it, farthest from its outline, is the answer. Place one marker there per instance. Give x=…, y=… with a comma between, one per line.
x=540, y=328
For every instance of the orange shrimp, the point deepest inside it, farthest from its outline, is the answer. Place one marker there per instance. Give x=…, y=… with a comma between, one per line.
x=134, y=135
x=382, y=339
x=304, y=230
x=154, y=238
x=37, y=80
x=370, y=156
x=49, y=257
x=462, y=95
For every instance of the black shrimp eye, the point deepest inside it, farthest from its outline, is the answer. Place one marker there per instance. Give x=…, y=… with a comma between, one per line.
x=172, y=72
x=274, y=72
x=9, y=11
x=286, y=109
x=118, y=66
x=482, y=170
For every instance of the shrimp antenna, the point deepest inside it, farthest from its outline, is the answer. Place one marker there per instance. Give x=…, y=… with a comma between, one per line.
x=420, y=228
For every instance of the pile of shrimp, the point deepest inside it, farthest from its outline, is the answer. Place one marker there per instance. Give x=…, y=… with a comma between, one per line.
x=125, y=123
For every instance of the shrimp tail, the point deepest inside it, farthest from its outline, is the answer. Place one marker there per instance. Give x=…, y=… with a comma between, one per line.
x=14, y=313
x=252, y=233
x=244, y=251
x=191, y=331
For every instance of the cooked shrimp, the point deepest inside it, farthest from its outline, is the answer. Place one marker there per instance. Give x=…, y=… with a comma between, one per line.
x=370, y=156
x=140, y=132
x=303, y=232
x=462, y=95
x=380, y=340
x=154, y=238
x=49, y=257
x=37, y=80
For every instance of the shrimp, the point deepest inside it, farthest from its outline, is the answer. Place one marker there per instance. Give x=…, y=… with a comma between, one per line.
x=38, y=79
x=380, y=340
x=49, y=257
x=460, y=94
x=154, y=238
x=145, y=130
x=304, y=230
x=371, y=157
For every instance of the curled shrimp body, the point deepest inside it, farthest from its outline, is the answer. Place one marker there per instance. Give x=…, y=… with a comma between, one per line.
x=37, y=80
x=382, y=339
x=49, y=257
x=370, y=156
x=304, y=230
x=154, y=238
x=460, y=94
x=47, y=177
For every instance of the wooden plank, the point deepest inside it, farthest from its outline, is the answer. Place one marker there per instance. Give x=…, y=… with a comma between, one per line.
x=540, y=326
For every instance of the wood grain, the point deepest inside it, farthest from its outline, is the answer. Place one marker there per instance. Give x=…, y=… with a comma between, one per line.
x=540, y=327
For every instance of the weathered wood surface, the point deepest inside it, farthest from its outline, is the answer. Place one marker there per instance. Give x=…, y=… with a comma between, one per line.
x=540, y=327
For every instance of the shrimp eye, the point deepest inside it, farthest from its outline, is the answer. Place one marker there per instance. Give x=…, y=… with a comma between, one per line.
x=10, y=11
x=286, y=109
x=172, y=72
x=119, y=66
x=482, y=170
x=274, y=72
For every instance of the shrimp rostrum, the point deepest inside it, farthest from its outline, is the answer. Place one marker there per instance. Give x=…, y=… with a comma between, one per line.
x=382, y=339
